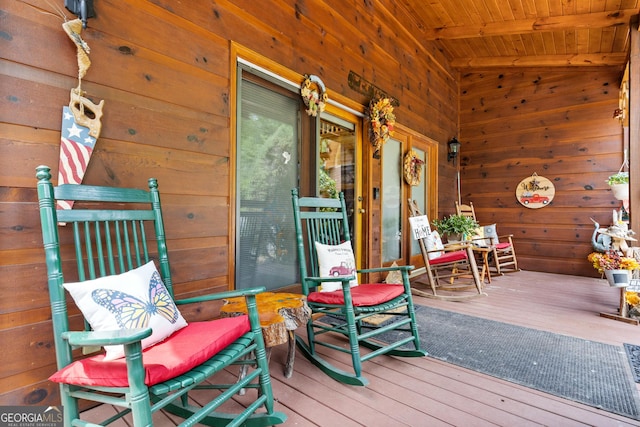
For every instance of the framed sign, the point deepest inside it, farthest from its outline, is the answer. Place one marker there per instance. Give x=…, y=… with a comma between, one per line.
x=420, y=226
x=535, y=192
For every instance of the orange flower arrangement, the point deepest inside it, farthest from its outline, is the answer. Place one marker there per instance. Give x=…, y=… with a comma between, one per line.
x=382, y=122
x=611, y=260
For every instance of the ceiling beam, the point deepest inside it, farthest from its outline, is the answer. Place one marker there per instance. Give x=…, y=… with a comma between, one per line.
x=526, y=26
x=585, y=60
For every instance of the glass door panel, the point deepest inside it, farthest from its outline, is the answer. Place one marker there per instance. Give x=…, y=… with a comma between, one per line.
x=337, y=163
x=392, y=205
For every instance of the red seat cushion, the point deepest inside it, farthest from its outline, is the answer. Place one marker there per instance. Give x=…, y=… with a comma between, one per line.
x=501, y=246
x=362, y=295
x=449, y=257
x=182, y=351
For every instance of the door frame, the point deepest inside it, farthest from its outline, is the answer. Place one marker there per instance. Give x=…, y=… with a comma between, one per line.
x=412, y=139
x=360, y=217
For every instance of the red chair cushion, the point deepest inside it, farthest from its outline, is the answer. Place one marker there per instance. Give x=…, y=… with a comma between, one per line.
x=182, y=351
x=501, y=246
x=362, y=295
x=449, y=257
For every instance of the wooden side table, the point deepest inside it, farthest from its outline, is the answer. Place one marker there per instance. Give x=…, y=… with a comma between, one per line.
x=484, y=253
x=280, y=315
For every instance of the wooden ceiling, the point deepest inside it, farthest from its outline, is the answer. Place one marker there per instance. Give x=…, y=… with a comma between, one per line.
x=526, y=33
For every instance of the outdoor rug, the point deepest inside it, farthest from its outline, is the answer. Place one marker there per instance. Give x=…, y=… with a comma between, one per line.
x=588, y=372
x=633, y=353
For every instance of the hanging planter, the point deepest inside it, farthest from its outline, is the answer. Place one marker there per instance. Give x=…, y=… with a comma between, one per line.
x=618, y=278
x=619, y=184
x=620, y=191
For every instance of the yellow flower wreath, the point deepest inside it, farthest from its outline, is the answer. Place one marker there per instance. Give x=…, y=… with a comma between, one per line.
x=382, y=122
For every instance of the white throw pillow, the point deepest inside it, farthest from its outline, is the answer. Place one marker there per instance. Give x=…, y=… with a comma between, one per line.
x=135, y=299
x=334, y=261
x=478, y=238
x=434, y=243
x=490, y=231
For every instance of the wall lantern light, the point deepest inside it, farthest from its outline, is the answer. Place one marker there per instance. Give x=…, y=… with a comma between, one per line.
x=82, y=8
x=454, y=149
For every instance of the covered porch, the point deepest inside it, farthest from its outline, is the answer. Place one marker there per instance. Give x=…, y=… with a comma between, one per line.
x=427, y=391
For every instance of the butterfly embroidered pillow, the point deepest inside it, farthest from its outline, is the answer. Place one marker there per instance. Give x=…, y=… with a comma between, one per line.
x=135, y=299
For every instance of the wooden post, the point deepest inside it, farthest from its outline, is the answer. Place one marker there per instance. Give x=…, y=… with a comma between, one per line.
x=634, y=126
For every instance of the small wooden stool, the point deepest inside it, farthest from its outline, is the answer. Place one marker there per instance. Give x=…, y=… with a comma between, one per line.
x=280, y=315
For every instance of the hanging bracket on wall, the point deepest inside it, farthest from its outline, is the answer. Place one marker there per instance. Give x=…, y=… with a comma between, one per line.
x=82, y=8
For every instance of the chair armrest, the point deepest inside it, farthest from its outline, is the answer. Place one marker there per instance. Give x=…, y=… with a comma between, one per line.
x=102, y=338
x=382, y=269
x=221, y=295
x=250, y=299
x=456, y=246
x=507, y=237
x=452, y=247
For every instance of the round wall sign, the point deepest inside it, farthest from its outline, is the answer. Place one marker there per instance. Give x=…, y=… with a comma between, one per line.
x=535, y=192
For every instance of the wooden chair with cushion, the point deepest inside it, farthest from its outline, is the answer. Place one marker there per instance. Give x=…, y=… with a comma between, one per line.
x=339, y=304
x=110, y=254
x=451, y=269
x=502, y=249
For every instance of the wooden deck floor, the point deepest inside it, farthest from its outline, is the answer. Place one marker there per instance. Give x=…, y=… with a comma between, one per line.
x=425, y=391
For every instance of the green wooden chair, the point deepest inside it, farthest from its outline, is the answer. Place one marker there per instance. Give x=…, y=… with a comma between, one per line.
x=111, y=243
x=327, y=272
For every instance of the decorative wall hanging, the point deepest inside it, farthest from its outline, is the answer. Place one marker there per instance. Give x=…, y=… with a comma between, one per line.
x=368, y=89
x=412, y=168
x=81, y=123
x=535, y=192
x=382, y=122
x=313, y=94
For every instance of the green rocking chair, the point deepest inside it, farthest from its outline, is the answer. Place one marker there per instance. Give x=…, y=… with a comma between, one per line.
x=115, y=238
x=327, y=273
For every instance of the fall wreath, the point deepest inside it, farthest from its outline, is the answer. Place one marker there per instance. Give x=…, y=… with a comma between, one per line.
x=412, y=168
x=313, y=94
x=382, y=122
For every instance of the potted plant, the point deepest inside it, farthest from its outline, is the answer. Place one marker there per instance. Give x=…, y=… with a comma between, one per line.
x=619, y=183
x=616, y=268
x=456, y=227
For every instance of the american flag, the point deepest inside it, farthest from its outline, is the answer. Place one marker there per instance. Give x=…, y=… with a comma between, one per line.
x=76, y=146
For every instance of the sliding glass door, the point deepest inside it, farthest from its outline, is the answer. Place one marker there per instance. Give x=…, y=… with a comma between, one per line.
x=266, y=171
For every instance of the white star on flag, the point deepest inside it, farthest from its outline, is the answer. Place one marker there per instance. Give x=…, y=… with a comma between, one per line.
x=74, y=131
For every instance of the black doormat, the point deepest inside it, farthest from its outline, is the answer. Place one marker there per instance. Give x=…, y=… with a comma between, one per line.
x=588, y=372
x=633, y=355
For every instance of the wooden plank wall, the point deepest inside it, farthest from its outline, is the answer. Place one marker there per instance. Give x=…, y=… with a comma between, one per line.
x=559, y=125
x=163, y=69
